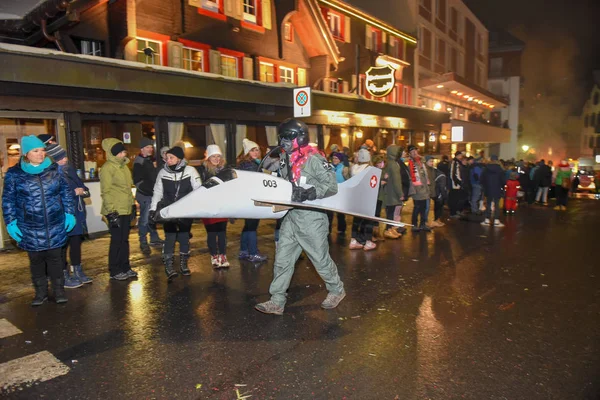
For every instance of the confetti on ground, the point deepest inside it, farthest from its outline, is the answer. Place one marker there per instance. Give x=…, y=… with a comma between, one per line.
x=28, y=341
x=356, y=316
x=45, y=332
x=544, y=285
x=526, y=289
x=506, y=306
x=381, y=309
x=74, y=361
x=415, y=259
x=198, y=386
x=373, y=355
x=240, y=385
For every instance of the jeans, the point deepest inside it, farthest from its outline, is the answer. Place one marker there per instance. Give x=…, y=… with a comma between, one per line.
x=542, y=194
x=438, y=208
x=143, y=228
x=420, y=207
x=216, y=237
x=249, y=240
x=476, y=192
x=488, y=206
x=51, y=261
x=118, y=251
x=182, y=237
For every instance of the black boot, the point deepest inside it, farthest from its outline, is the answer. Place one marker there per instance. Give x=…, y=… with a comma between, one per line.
x=168, y=261
x=41, y=291
x=58, y=287
x=183, y=264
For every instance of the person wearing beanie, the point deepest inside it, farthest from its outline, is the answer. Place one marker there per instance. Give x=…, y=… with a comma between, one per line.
x=216, y=228
x=47, y=139
x=249, y=160
x=174, y=181
x=493, y=179
x=73, y=272
x=362, y=229
x=42, y=226
x=342, y=173
x=420, y=190
x=118, y=207
x=144, y=177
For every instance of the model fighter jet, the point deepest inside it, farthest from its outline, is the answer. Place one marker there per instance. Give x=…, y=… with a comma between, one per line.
x=244, y=194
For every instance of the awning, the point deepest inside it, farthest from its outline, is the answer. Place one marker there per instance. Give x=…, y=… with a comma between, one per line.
x=474, y=132
x=460, y=89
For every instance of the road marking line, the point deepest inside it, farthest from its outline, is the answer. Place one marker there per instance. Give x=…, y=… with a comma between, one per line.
x=38, y=367
x=8, y=329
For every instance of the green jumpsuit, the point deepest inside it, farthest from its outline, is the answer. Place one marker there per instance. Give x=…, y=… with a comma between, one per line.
x=306, y=230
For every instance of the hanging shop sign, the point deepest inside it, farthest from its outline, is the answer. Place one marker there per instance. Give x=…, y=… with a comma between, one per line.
x=380, y=80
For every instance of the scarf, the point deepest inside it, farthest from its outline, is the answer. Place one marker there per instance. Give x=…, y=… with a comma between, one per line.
x=35, y=169
x=298, y=159
x=415, y=164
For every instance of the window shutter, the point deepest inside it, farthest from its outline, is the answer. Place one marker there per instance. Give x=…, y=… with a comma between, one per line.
x=239, y=9
x=392, y=47
x=266, y=14
x=174, y=51
x=248, y=68
x=383, y=41
x=229, y=7
x=369, y=32
x=356, y=89
x=347, y=31
x=215, y=61
x=301, y=77
x=345, y=88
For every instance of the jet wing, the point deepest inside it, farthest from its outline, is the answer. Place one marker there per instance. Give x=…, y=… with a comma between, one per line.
x=279, y=206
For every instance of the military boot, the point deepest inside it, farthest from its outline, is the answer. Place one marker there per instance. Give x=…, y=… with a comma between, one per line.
x=168, y=261
x=183, y=264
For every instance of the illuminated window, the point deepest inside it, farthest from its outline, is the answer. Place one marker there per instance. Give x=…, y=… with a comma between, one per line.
x=250, y=10
x=335, y=22
x=212, y=5
x=397, y=48
x=148, y=51
x=286, y=74
x=267, y=72
x=376, y=39
x=288, y=32
x=334, y=86
x=229, y=66
x=193, y=59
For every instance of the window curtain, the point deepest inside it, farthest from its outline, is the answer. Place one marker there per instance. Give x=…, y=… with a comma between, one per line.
x=326, y=134
x=219, y=136
x=312, y=134
x=175, y=132
x=346, y=138
x=272, y=135
x=240, y=134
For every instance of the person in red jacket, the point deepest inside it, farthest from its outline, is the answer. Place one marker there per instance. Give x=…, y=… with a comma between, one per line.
x=512, y=188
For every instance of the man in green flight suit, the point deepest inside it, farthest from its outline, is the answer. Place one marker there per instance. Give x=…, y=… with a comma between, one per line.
x=303, y=229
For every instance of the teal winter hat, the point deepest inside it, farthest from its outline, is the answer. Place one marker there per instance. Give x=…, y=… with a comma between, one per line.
x=31, y=142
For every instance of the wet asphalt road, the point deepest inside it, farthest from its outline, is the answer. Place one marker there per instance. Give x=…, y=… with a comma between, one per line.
x=466, y=312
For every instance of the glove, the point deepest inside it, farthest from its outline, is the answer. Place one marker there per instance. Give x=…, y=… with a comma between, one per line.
x=300, y=194
x=113, y=220
x=69, y=222
x=14, y=231
x=152, y=219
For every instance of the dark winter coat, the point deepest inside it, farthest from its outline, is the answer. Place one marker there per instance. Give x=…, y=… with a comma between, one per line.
x=405, y=175
x=173, y=183
x=38, y=203
x=493, y=180
x=78, y=203
x=144, y=175
x=456, y=179
x=543, y=176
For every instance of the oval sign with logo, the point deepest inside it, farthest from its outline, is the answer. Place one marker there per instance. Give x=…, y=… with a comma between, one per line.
x=380, y=80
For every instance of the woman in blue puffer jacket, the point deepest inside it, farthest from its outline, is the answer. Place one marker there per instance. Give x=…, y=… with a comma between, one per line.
x=38, y=212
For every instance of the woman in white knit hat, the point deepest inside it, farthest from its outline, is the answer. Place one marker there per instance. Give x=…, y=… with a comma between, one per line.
x=249, y=160
x=216, y=228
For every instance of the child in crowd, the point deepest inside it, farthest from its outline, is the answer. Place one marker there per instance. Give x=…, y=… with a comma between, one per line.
x=512, y=188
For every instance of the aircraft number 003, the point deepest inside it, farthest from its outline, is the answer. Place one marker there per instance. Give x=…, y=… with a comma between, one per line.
x=269, y=183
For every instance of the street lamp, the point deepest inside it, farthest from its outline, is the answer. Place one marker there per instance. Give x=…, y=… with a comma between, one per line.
x=525, y=148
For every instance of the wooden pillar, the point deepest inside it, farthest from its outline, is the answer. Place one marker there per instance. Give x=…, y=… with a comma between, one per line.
x=75, y=140
x=161, y=131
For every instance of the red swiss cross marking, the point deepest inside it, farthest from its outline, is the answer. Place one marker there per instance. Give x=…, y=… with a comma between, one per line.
x=373, y=182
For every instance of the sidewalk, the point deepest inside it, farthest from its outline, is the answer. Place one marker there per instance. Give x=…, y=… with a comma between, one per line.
x=14, y=264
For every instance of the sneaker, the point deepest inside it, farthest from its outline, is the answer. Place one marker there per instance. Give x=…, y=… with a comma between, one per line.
x=456, y=216
x=498, y=223
x=215, y=260
x=439, y=223
x=256, y=258
x=563, y=208
x=121, y=276
x=268, y=307
x=223, y=261
x=369, y=246
x=332, y=300
x=157, y=243
x=71, y=282
x=354, y=245
x=78, y=272
x=401, y=230
x=131, y=274
x=391, y=234
x=486, y=222
x=243, y=255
